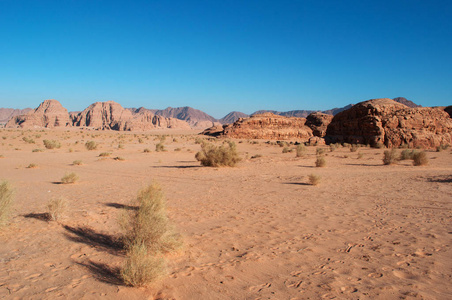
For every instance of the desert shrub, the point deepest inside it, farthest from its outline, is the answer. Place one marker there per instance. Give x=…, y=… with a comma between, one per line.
x=56, y=208
x=256, y=156
x=178, y=149
x=69, y=178
x=198, y=140
x=28, y=140
x=120, y=158
x=320, y=151
x=147, y=150
x=390, y=157
x=407, y=154
x=354, y=148
x=217, y=156
x=420, y=158
x=160, y=147
x=37, y=150
x=333, y=147
x=286, y=150
x=105, y=154
x=300, y=150
x=320, y=162
x=77, y=162
x=314, y=179
x=141, y=268
x=32, y=166
x=140, y=140
x=91, y=145
x=6, y=202
x=360, y=155
x=121, y=146
x=51, y=144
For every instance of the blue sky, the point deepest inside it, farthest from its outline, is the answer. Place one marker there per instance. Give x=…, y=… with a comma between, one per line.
x=220, y=56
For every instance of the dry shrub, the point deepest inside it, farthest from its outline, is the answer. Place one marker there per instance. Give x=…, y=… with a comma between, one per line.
x=420, y=159
x=147, y=150
x=32, y=166
x=6, y=202
x=77, y=162
x=300, y=150
x=360, y=155
x=56, y=208
x=69, y=178
x=286, y=150
x=314, y=179
x=51, y=144
x=320, y=151
x=407, y=154
x=105, y=154
x=147, y=235
x=120, y=158
x=91, y=145
x=160, y=147
x=28, y=140
x=320, y=162
x=141, y=268
x=390, y=157
x=354, y=148
x=218, y=156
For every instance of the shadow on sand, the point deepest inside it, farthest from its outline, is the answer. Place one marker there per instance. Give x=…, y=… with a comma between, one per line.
x=103, y=272
x=121, y=206
x=41, y=216
x=90, y=237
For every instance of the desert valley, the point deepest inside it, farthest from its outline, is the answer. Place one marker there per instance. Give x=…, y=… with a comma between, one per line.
x=314, y=207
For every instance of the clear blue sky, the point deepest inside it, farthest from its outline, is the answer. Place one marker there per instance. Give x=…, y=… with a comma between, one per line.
x=220, y=56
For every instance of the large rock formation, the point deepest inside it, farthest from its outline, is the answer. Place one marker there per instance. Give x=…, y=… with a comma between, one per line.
x=405, y=101
x=49, y=114
x=232, y=117
x=318, y=122
x=195, y=118
x=265, y=126
x=103, y=115
x=7, y=113
x=144, y=119
x=391, y=123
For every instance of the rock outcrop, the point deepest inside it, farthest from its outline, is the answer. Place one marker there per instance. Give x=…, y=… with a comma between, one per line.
x=391, y=123
x=266, y=126
x=318, y=122
x=103, y=115
x=49, y=114
x=7, y=113
x=195, y=118
x=144, y=120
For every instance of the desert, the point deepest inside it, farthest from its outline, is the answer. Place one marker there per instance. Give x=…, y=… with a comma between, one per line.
x=259, y=230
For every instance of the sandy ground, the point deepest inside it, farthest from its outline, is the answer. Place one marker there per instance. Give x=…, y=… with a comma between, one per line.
x=257, y=231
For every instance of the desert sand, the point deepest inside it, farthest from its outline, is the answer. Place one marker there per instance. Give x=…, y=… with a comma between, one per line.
x=256, y=231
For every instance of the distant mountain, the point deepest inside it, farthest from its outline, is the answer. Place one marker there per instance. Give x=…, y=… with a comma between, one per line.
x=194, y=117
x=7, y=113
x=232, y=117
x=407, y=102
x=303, y=113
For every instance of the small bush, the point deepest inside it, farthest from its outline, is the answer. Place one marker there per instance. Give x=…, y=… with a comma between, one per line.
x=56, y=208
x=256, y=156
x=286, y=150
x=407, y=154
x=420, y=158
x=178, y=149
x=354, y=148
x=314, y=179
x=32, y=166
x=120, y=158
x=379, y=145
x=142, y=268
x=121, y=146
x=37, y=150
x=51, y=144
x=300, y=150
x=69, y=178
x=6, y=202
x=160, y=147
x=218, y=156
x=320, y=162
x=28, y=140
x=390, y=157
x=77, y=162
x=147, y=150
x=320, y=151
x=91, y=145
x=105, y=154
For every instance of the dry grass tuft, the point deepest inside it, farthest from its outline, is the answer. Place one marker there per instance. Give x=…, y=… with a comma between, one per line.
x=91, y=145
x=218, y=156
x=69, y=178
x=314, y=179
x=56, y=208
x=300, y=150
x=320, y=162
x=105, y=154
x=77, y=162
x=160, y=147
x=407, y=154
x=420, y=159
x=6, y=202
x=390, y=157
x=51, y=144
x=32, y=166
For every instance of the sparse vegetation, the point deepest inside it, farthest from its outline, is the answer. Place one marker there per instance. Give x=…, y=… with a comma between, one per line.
x=256, y=156
x=6, y=202
x=37, y=150
x=32, y=166
x=77, y=162
x=420, y=158
x=147, y=235
x=218, y=156
x=360, y=155
x=354, y=148
x=51, y=144
x=314, y=179
x=390, y=157
x=320, y=151
x=407, y=154
x=160, y=147
x=320, y=162
x=56, y=208
x=300, y=150
x=286, y=150
x=105, y=154
x=91, y=145
x=147, y=150
x=28, y=140
x=69, y=178
x=120, y=158
x=178, y=149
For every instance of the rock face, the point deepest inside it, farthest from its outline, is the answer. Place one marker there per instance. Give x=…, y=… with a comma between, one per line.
x=268, y=126
x=103, y=115
x=391, y=123
x=7, y=113
x=49, y=114
x=145, y=120
x=318, y=122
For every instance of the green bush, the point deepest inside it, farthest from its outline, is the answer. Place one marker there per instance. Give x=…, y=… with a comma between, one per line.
x=218, y=156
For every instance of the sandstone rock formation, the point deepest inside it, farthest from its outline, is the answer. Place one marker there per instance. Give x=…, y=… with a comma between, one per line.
x=391, y=123
x=195, y=118
x=145, y=120
x=49, y=114
x=318, y=122
x=266, y=126
x=103, y=115
x=7, y=113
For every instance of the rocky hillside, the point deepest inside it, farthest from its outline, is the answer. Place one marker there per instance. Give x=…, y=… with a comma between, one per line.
x=49, y=114
x=232, y=117
x=405, y=101
x=7, y=113
x=391, y=123
x=194, y=117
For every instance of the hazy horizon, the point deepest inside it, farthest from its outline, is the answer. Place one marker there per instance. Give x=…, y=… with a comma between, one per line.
x=220, y=57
